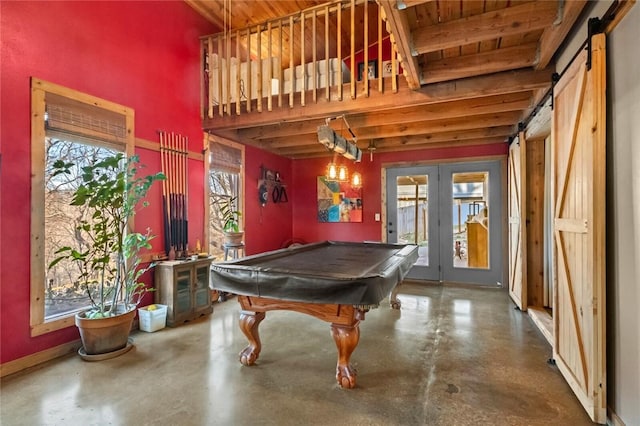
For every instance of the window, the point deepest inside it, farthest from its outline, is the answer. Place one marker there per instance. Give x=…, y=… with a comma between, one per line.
x=224, y=182
x=72, y=126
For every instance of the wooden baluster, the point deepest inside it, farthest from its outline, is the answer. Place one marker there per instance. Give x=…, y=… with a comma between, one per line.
x=353, y=50
x=380, y=66
x=326, y=53
x=259, y=73
x=228, y=85
x=394, y=69
x=280, y=65
x=270, y=69
x=339, y=47
x=237, y=82
x=315, y=77
x=211, y=71
x=291, y=67
x=221, y=99
x=302, y=60
x=365, y=68
x=247, y=83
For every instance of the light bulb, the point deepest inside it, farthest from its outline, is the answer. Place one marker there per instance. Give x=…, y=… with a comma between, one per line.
x=342, y=173
x=332, y=171
x=356, y=180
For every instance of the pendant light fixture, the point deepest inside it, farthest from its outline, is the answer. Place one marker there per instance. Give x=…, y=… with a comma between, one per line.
x=356, y=180
x=343, y=173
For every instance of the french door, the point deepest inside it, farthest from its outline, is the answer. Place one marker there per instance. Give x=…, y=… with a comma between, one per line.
x=445, y=210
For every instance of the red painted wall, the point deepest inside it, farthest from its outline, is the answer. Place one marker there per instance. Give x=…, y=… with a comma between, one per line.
x=143, y=55
x=305, y=172
x=140, y=54
x=267, y=227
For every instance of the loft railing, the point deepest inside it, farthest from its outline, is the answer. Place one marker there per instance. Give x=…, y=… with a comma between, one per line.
x=295, y=59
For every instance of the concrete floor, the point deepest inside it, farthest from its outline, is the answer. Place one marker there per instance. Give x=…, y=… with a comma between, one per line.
x=450, y=356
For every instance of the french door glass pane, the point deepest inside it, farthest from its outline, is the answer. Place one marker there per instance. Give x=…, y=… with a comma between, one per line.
x=470, y=214
x=412, y=214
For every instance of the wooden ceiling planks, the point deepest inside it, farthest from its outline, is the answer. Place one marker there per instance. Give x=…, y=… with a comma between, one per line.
x=478, y=54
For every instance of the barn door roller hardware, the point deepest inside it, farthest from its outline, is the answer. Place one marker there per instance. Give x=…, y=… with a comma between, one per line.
x=595, y=26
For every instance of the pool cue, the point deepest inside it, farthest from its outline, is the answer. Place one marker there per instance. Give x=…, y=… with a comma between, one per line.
x=165, y=198
x=172, y=195
x=178, y=181
x=185, y=216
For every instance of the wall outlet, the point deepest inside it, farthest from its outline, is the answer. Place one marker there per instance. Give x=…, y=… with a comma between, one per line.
x=377, y=217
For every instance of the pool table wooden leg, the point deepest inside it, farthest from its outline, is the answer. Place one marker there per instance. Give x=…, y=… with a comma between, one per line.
x=249, y=322
x=346, y=338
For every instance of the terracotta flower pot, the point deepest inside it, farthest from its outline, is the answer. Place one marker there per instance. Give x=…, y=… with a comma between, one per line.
x=104, y=335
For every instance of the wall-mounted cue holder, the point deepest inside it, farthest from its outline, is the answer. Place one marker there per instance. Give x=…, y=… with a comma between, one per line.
x=270, y=187
x=174, y=160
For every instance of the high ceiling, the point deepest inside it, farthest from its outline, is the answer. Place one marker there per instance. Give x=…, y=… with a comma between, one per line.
x=472, y=71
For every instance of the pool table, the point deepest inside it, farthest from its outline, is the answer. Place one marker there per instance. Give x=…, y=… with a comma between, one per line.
x=337, y=282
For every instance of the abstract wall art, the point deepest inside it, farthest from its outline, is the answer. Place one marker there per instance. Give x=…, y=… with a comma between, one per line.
x=338, y=201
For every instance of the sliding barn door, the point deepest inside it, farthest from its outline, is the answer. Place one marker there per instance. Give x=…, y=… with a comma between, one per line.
x=578, y=191
x=517, y=230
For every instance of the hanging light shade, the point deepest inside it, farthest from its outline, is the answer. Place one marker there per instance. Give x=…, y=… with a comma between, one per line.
x=356, y=180
x=343, y=174
x=332, y=171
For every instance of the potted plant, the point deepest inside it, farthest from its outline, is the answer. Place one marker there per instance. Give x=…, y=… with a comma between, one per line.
x=231, y=222
x=106, y=252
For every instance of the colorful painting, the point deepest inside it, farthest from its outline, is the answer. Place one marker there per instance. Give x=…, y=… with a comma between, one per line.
x=338, y=201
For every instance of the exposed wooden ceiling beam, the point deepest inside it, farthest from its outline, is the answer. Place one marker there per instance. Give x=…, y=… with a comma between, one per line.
x=495, y=133
x=425, y=127
x=508, y=58
x=513, y=20
x=462, y=108
x=447, y=144
x=400, y=31
x=498, y=132
x=452, y=143
x=493, y=84
x=553, y=36
x=448, y=125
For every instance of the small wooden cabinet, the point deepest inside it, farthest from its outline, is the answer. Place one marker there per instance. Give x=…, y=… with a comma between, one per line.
x=184, y=287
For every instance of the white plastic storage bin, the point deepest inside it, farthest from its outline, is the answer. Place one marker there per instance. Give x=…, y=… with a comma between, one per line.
x=154, y=320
